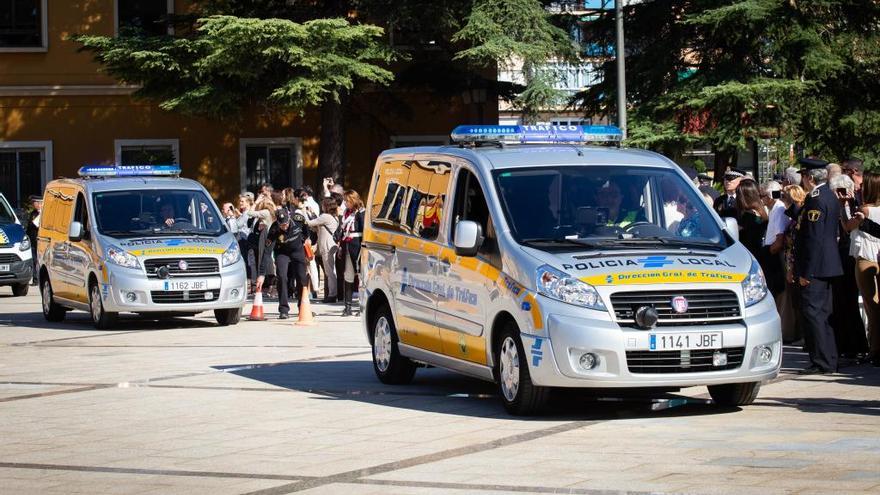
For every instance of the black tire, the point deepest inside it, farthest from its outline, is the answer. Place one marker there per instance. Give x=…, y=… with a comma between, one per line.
x=526, y=398
x=52, y=311
x=19, y=290
x=390, y=367
x=734, y=394
x=102, y=319
x=227, y=317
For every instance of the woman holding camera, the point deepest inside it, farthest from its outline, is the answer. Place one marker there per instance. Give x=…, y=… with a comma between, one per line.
x=352, y=231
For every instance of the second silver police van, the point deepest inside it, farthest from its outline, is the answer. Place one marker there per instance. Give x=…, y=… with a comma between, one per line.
x=559, y=265
x=136, y=239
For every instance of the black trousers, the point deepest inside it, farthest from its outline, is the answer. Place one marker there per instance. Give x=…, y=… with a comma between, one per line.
x=818, y=335
x=287, y=270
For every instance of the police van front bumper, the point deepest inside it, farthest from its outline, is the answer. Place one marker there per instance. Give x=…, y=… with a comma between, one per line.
x=20, y=264
x=129, y=290
x=623, y=358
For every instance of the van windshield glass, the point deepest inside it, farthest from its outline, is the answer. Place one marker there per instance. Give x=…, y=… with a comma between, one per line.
x=606, y=206
x=160, y=212
x=6, y=215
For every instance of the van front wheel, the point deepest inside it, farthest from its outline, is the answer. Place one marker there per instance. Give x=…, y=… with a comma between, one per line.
x=100, y=318
x=734, y=394
x=521, y=397
x=19, y=290
x=389, y=365
x=227, y=316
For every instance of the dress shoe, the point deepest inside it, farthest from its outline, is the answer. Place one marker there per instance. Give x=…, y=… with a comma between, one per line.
x=813, y=370
x=283, y=316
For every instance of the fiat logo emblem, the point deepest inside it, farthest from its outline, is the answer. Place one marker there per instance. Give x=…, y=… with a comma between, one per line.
x=679, y=304
x=183, y=266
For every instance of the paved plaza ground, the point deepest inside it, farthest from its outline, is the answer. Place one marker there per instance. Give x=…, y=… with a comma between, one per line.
x=185, y=406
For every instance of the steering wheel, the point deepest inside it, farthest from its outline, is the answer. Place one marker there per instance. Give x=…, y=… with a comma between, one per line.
x=629, y=228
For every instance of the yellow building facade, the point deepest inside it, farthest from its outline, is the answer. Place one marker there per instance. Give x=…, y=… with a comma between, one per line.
x=58, y=111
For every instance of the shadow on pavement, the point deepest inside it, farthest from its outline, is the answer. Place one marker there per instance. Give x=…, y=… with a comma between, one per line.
x=80, y=321
x=438, y=390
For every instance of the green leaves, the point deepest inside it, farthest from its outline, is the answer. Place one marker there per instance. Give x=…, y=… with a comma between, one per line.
x=231, y=62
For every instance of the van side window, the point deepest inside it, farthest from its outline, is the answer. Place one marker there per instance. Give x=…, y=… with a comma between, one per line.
x=470, y=204
x=409, y=197
x=81, y=214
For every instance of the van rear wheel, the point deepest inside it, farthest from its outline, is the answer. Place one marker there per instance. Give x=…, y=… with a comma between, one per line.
x=735, y=394
x=100, y=318
x=390, y=367
x=520, y=396
x=51, y=310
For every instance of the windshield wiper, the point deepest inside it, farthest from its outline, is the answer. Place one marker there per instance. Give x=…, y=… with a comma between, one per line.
x=670, y=241
x=595, y=242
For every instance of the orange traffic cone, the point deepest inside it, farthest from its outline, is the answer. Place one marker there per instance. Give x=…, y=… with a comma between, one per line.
x=305, y=310
x=257, y=308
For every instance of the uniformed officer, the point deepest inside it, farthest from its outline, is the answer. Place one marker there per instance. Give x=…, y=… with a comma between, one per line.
x=725, y=204
x=285, y=239
x=32, y=228
x=817, y=261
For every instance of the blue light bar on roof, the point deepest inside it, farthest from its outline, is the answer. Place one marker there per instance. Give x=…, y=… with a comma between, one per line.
x=537, y=133
x=129, y=171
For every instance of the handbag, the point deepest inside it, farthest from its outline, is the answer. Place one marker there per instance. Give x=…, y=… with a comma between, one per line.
x=309, y=251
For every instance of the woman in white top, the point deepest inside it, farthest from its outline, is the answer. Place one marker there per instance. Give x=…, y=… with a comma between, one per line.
x=326, y=225
x=865, y=248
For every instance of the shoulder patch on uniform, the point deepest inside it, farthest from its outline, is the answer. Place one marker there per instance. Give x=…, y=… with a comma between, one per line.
x=813, y=215
x=298, y=217
x=815, y=192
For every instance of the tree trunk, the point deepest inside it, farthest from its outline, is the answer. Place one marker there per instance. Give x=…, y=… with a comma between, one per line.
x=331, y=150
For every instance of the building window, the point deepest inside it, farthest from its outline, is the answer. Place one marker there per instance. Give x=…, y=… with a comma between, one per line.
x=147, y=151
x=149, y=17
x=23, y=25
x=276, y=161
x=25, y=168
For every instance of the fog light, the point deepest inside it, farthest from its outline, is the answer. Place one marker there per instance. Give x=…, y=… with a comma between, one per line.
x=764, y=354
x=588, y=361
x=131, y=297
x=719, y=358
x=233, y=293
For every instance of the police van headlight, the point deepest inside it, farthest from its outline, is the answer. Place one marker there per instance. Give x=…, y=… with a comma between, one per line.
x=754, y=286
x=232, y=254
x=563, y=287
x=121, y=257
x=25, y=244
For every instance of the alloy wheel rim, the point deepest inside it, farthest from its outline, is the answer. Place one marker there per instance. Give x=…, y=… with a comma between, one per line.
x=509, y=361
x=382, y=344
x=96, y=303
x=47, y=297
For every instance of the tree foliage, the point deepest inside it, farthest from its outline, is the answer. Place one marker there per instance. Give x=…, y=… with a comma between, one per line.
x=234, y=62
x=724, y=71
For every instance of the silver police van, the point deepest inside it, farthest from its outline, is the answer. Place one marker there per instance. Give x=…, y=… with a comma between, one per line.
x=136, y=239
x=522, y=256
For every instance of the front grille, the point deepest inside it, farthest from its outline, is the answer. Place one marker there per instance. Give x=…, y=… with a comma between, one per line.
x=649, y=362
x=195, y=266
x=704, y=306
x=9, y=258
x=184, y=296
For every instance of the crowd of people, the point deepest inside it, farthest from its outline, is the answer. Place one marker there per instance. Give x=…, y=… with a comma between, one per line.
x=814, y=230
x=288, y=239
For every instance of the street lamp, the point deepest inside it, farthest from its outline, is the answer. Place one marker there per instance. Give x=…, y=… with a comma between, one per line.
x=621, y=68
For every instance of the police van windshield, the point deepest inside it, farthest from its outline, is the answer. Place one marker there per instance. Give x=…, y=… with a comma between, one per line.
x=162, y=212
x=6, y=215
x=605, y=206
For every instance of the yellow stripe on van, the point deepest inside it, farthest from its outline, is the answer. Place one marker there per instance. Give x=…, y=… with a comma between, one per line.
x=419, y=334
x=463, y=346
x=665, y=277
x=177, y=250
x=535, y=310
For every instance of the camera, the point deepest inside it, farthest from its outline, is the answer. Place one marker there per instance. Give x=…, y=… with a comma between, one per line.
x=775, y=194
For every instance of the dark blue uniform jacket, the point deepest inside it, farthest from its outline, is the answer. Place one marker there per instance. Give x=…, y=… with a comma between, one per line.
x=816, y=254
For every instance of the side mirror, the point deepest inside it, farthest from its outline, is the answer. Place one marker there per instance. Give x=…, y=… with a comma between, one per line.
x=75, y=232
x=732, y=227
x=468, y=238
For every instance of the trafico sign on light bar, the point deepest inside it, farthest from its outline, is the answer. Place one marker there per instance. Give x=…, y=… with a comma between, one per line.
x=537, y=133
x=129, y=171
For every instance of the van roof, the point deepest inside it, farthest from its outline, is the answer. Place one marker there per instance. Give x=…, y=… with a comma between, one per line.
x=530, y=155
x=129, y=183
